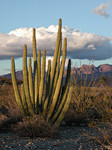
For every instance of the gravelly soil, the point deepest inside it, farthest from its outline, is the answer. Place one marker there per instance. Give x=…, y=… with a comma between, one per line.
x=70, y=138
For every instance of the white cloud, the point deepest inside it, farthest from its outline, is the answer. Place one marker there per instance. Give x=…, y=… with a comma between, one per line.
x=51, y=58
x=102, y=10
x=83, y=45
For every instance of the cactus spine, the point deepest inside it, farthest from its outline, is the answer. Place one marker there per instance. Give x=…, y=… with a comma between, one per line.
x=56, y=99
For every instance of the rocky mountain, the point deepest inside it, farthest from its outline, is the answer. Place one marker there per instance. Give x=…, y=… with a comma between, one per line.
x=91, y=70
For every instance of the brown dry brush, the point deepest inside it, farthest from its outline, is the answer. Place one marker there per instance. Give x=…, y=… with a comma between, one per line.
x=90, y=100
x=9, y=111
x=35, y=126
x=104, y=133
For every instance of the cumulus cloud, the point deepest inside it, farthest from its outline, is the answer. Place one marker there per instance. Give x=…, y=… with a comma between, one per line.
x=102, y=10
x=79, y=45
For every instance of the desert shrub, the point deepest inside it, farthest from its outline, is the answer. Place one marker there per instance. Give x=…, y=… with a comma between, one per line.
x=9, y=111
x=103, y=105
x=103, y=102
x=34, y=126
x=7, y=81
x=81, y=109
x=4, y=80
x=90, y=101
x=104, y=133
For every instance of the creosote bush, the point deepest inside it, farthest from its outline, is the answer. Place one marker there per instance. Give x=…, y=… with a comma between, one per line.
x=104, y=132
x=9, y=110
x=35, y=126
x=90, y=101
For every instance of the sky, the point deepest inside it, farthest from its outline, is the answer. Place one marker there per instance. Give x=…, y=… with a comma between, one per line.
x=87, y=25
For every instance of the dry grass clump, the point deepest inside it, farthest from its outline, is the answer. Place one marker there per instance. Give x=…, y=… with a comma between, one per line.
x=104, y=130
x=9, y=111
x=90, y=100
x=35, y=126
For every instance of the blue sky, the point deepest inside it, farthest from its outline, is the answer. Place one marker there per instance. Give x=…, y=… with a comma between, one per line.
x=87, y=24
x=36, y=13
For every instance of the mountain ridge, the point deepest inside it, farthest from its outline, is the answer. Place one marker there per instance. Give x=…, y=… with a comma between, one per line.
x=104, y=69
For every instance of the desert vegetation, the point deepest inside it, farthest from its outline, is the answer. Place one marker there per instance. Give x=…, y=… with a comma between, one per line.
x=35, y=108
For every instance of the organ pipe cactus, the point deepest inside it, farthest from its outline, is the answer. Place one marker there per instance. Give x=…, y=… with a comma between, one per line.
x=50, y=97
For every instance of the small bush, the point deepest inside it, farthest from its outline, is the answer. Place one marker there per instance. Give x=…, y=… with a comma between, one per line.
x=90, y=100
x=104, y=133
x=34, y=126
x=9, y=111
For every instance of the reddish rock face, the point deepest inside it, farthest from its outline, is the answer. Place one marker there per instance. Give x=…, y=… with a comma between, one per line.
x=105, y=68
x=92, y=69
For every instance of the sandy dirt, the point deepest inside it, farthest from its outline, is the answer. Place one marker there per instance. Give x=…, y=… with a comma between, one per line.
x=70, y=138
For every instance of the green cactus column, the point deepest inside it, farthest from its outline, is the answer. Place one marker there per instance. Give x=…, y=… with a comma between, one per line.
x=45, y=105
x=65, y=108
x=34, y=46
x=36, y=90
x=15, y=87
x=63, y=94
x=54, y=64
x=31, y=84
x=57, y=90
x=57, y=65
x=41, y=87
x=25, y=82
x=55, y=54
x=39, y=67
x=24, y=100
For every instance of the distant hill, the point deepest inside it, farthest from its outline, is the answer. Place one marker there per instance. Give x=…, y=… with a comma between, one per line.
x=19, y=75
x=105, y=70
x=93, y=70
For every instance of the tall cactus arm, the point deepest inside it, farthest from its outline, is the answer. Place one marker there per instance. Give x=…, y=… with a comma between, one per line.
x=34, y=46
x=31, y=84
x=64, y=93
x=36, y=88
x=55, y=54
x=58, y=64
x=15, y=87
x=67, y=76
x=24, y=100
x=48, y=75
x=47, y=86
x=41, y=87
x=55, y=97
x=25, y=81
x=65, y=108
x=39, y=67
x=54, y=64
x=35, y=66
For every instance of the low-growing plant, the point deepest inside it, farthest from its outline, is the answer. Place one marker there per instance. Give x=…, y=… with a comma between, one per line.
x=104, y=132
x=35, y=126
x=9, y=110
x=90, y=100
